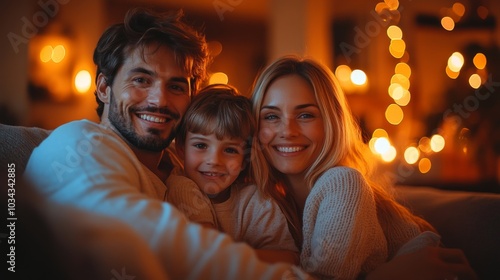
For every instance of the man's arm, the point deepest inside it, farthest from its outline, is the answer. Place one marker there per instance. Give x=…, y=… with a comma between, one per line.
x=102, y=177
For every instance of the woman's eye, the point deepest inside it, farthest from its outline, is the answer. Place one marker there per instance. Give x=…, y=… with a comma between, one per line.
x=270, y=117
x=306, y=116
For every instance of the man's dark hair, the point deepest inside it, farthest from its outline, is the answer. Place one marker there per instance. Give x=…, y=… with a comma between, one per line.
x=141, y=28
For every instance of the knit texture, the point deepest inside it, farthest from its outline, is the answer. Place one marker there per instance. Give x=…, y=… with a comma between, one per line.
x=343, y=236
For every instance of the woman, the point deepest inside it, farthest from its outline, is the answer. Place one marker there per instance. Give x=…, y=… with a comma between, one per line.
x=310, y=158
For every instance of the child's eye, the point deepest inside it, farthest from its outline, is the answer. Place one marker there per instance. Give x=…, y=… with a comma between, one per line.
x=200, y=146
x=232, y=151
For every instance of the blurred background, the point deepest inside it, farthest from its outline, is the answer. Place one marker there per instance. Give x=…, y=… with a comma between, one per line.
x=422, y=77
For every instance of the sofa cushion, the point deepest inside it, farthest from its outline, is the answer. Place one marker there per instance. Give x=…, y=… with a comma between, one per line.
x=466, y=220
x=17, y=143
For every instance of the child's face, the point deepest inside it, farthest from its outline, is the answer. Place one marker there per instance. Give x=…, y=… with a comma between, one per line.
x=211, y=163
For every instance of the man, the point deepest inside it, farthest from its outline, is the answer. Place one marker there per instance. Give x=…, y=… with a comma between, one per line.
x=147, y=70
x=98, y=181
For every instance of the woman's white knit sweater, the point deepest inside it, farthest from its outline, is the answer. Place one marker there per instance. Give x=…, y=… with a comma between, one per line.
x=343, y=236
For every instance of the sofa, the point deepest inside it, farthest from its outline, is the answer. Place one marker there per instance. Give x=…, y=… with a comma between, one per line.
x=466, y=220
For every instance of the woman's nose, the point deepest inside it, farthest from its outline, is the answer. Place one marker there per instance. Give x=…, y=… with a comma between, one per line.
x=289, y=128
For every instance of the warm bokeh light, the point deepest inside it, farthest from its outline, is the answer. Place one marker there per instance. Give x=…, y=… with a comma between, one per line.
x=218, y=78
x=392, y=4
x=437, y=143
x=394, y=114
x=424, y=165
x=397, y=48
x=83, y=81
x=447, y=23
x=475, y=81
x=456, y=61
x=452, y=74
x=389, y=155
x=381, y=145
x=425, y=144
x=58, y=53
x=394, y=32
x=392, y=88
x=371, y=145
x=459, y=9
x=380, y=7
x=215, y=48
x=479, y=61
x=411, y=155
x=358, y=77
x=343, y=73
x=380, y=132
x=401, y=80
x=46, y=54
x=482, y=12
x=398, y=92
x=405, y=99
x=403, y=69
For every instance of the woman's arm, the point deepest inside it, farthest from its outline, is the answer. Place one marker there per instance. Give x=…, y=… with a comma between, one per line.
x=342, y=236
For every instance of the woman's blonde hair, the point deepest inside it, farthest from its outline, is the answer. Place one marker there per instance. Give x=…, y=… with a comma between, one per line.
x=343, y=144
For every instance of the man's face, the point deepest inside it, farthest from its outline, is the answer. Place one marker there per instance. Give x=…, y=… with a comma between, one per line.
x=149, y=95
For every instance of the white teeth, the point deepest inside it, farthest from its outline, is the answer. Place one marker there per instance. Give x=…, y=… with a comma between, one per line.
x=289, y=149
x=152, y=118
x=212, y=174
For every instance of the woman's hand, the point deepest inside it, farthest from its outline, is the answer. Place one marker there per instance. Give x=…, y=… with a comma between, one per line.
x=428, y=263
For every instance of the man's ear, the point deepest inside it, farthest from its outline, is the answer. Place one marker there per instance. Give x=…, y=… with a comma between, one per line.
x=103, y=89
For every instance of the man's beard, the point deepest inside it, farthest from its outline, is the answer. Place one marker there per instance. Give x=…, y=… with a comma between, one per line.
x=150, y=142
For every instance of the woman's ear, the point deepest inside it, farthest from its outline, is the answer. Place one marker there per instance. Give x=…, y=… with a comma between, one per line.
x=103, y=89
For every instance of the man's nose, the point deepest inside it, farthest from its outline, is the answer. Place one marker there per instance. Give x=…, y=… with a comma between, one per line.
x=158, y=96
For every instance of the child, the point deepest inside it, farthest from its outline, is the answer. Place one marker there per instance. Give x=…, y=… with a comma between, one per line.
x=214, y=139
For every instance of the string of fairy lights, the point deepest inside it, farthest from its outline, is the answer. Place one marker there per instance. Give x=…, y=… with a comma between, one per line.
x=418, y=153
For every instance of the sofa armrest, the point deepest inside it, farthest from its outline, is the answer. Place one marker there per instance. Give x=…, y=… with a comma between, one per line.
x=17, y=143
x=466, y=220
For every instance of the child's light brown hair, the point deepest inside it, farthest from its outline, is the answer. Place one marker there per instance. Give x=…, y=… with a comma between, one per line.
x=220, y=110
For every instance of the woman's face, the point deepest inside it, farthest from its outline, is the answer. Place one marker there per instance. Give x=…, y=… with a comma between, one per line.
x=291, y=126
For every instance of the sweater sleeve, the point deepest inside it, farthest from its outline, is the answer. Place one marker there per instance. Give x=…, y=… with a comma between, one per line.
x=79, y=165
x=342, y=236
x=265, y=225
x=184, y=194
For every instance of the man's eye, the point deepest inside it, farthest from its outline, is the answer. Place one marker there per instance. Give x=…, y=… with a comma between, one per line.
x=179, y=89
x=140, y=80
